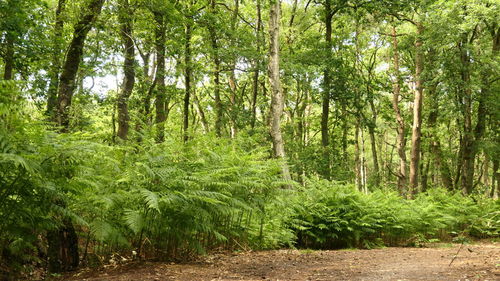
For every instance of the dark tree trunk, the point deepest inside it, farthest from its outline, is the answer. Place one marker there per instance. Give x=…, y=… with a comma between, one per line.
x=467, y=163
x=159, y=83
x=62, y=250
x=125, y=17
x=9, y=57
x=255, y=82
x=187, y=80
x=212, y=28
x=55, y=67
x=72, y=62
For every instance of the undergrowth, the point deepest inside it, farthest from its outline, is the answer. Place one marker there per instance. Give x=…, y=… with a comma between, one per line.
x=175, y=201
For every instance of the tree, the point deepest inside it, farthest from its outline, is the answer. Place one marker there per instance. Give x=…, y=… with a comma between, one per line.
x=67, y=84
x=275, y=84
x=125, y=15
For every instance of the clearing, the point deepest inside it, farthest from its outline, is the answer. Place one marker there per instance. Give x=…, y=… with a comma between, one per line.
x=474, y=262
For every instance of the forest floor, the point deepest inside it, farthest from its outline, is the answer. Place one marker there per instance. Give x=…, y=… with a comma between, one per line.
x=480, y=261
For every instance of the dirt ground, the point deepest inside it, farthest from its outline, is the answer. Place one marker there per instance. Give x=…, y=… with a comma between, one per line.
x=474, y=262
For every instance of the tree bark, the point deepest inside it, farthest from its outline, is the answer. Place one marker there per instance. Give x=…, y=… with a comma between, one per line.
x=232, y=75
x=9, y=57
x=55, y=67
x=467, y=159
x=276, y=90
x=417, y=111
x=126, y=29
x=325, y=98
x=401, y=139
x=159, y=82
x=201, y=113
x=72, y=62
x=257, y=64
x=187, y=79
x=212, y=29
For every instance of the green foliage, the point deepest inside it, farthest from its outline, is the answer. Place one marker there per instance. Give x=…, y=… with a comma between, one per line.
x=332, y=215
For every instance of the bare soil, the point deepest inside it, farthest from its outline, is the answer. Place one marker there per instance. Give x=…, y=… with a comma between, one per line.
x=473, y=262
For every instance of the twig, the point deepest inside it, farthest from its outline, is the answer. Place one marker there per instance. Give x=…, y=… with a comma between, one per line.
x=456, y=255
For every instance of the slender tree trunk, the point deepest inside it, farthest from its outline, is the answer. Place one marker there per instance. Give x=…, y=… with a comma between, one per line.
x=325, y=103
x=232, y=75
x=495, y=180
x=357, y=158
x=257, y=64
x=417, y=111
x=212, y=29
x=72, y=62
x=373, y=142
x=401, y=139
x=56, y=61
x=126, y=29
x=187, y=80
x=159, y=83
x=467, y=159
x=276, y=90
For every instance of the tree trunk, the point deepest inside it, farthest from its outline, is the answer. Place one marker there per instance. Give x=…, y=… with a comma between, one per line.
x=401, y=139
x=72, y=62
x=257, y=63
x=417, y=111
x=276, y=90
x=212, y=29
x=201, y=113
x=9, y=57
x=232, y=75
x=126, y=29
x=62, y=252
x=467, y=159
x=56, y=61
x=187, y=80
x=373, y=142
x=159, y=82
x=325, y=102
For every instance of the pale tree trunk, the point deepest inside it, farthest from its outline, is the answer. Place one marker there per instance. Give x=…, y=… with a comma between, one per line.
x=276, y=91
x=373, y=142
x=71, y=64
x=357, y=157
x=9, y=57
x=417, y=111
x=55, y=66
x=401, y=139
x=126, y=28
x=160, y=95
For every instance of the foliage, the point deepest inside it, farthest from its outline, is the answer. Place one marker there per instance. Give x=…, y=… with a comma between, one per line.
x=335, y=215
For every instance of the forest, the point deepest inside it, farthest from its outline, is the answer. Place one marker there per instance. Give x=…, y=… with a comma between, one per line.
x=169, y=129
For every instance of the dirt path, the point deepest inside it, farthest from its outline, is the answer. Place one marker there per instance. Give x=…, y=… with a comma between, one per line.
x=474, y=262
